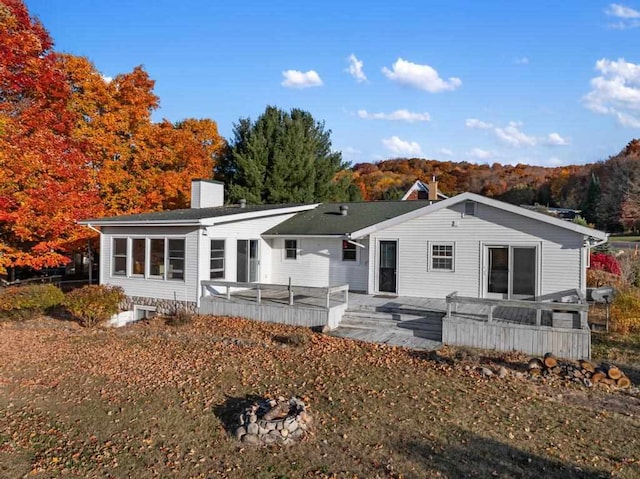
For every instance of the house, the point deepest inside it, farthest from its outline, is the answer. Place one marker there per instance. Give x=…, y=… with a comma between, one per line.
x=477, y=246
x=420, y=191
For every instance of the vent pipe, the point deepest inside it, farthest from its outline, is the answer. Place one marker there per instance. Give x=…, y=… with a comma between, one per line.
x=344, y=209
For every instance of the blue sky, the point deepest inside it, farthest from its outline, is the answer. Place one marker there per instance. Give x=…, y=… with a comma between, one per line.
x=538, y=82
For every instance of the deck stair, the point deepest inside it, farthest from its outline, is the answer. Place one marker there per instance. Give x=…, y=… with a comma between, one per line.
x=394, y=325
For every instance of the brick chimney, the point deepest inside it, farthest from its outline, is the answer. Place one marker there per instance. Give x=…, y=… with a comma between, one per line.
x=433, y=189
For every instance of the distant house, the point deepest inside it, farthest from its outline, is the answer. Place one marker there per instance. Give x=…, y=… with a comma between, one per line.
x=420, y=191
x=480, y=247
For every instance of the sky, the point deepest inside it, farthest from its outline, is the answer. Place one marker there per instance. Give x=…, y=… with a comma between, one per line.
x=538, y=82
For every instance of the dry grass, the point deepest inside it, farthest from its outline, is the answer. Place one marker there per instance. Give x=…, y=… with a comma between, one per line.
x=151, y=400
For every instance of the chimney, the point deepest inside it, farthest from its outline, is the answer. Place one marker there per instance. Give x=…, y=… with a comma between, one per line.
x=206, y=193
x=344, y=209
x=433, y=189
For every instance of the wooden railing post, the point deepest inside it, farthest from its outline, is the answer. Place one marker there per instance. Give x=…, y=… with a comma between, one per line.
x=229, y=293
x=490, y=315
x=290, y=296
x=328, y=298
x=258, y=295
x=538, y=317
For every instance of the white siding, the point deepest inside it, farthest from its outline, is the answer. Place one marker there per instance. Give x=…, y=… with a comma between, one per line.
x=231, y=233
x=178, y=290
x=559, y=250
x=319, y=263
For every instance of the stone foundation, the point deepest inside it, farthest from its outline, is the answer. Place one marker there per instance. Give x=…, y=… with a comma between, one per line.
x=163, y=306
x=274, y=422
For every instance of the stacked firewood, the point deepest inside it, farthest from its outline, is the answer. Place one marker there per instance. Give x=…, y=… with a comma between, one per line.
x=584, y=372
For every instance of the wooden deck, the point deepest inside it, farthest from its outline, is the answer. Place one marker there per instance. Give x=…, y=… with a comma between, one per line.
x=416, y=323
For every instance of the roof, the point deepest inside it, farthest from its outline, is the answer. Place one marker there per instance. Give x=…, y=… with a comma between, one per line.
x=197, y=216
x=326, y=220
x=576, y=228
x=421, y=186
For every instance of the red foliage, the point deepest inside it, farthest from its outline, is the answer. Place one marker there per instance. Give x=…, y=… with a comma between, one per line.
x=605, y=262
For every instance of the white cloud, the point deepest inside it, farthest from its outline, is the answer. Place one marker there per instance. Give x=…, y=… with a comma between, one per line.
x=445, y=152
x=620, y=11
x=475, y=123
x=298, y=79
x=480, y=154
x=521, y=61
x=616, y=91
x=400, y=147
x=107, y=79
x=554, y=161
x=398, y=115
x=554, y=139
x=422, y=77
x=513, y=136
x=355, y=69
x=627, y=17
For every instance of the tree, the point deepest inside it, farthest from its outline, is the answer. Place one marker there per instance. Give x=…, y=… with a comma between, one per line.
x=137, y=165
x=283, y=157
x=44, y=180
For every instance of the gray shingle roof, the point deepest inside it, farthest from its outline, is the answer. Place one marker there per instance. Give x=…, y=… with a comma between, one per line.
x=327, y=220
x=188, y=214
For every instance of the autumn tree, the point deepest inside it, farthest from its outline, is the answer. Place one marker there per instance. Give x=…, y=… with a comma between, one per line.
x=137, y=165
x=283, y=157
x=44, y=180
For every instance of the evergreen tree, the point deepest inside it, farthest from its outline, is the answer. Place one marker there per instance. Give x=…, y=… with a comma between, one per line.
x=283, y=157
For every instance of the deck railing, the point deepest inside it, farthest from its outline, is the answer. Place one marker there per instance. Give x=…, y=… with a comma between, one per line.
x=581, y=306
x=328, y=293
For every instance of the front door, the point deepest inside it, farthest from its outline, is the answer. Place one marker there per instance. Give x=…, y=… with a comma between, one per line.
x=511, y=272
x=388, y=267
x=248, y=261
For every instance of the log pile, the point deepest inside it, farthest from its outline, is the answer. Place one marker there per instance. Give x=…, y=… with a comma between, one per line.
x=582, y=372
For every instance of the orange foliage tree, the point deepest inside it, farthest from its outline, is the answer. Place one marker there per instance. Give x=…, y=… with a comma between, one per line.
x=137, y=165
x=44, y=180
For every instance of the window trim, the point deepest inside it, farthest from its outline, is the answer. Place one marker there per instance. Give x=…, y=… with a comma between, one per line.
x=132, y=239
x=168, y=258
x=430, y=246
x=355, y=250
x=295, y=250
x=147, y=257
x=126, y=256
x=224, y=259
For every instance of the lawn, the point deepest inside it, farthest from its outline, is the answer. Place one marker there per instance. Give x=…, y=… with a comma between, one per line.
x=152, y=400
x=631, y=238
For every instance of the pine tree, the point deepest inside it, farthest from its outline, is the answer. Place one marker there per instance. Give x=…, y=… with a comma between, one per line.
x=283, y=157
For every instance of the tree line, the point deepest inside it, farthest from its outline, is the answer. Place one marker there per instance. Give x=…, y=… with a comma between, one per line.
x=607, y=193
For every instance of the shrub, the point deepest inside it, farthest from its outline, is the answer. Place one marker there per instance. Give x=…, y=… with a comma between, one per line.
x=179, y=318
x=94, y=304
x=20, y=302
x=625, y=311
x=605, y=262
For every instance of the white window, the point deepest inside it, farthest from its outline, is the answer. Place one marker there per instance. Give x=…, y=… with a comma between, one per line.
x=349, y=252
x=290, y=249
x=156, y=257
x=176, y=259
x=216, y=270
x=119, y=267
x=441, y=257
x=138, y=256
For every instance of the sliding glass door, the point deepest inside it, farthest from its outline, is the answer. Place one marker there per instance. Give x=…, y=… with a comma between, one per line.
x=248, y=261
x=511, y=272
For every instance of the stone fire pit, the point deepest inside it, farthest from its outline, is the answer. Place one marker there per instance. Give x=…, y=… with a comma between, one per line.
x=273, y=421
